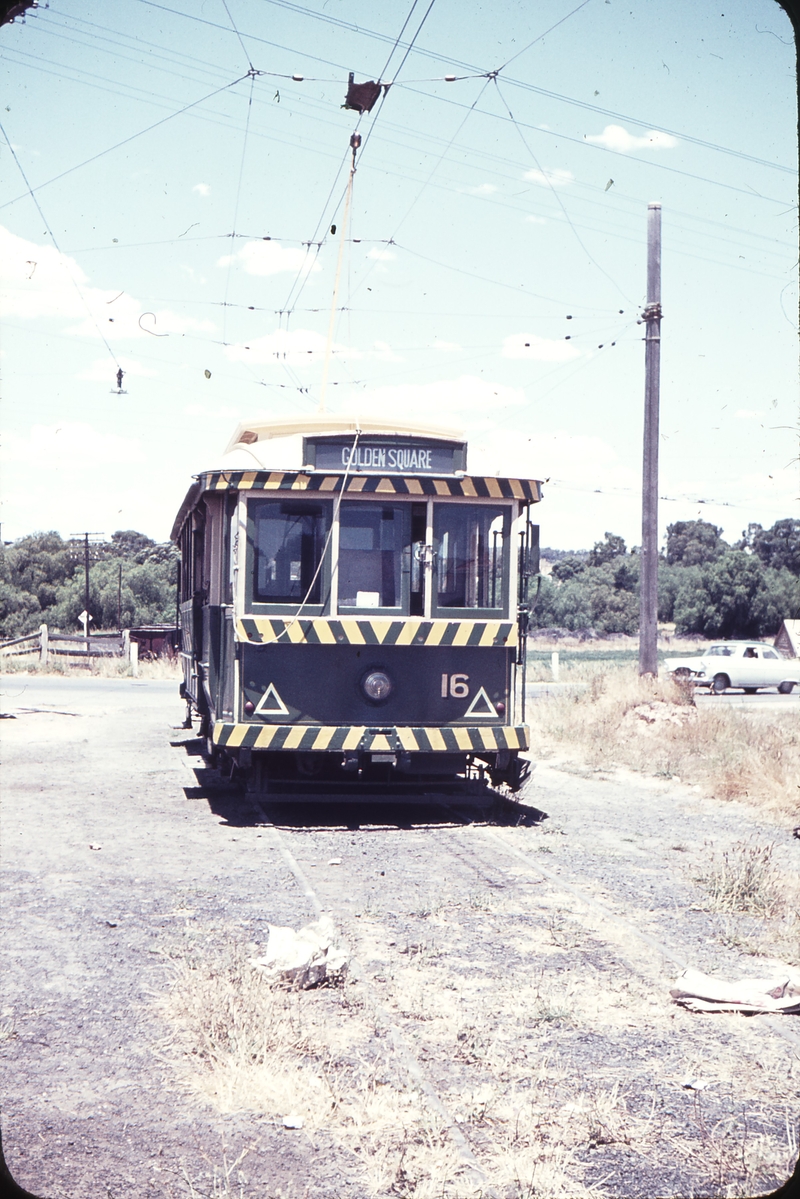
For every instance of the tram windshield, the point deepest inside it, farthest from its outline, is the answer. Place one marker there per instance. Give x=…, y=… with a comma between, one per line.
x=289, y=538
x=469, y=544
x=372, y=538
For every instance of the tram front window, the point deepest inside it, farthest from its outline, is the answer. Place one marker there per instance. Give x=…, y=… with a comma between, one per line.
x=289, y=537
x=469, y=542
x=371, y=543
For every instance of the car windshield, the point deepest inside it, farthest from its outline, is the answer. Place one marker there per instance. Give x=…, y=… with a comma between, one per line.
x=719, y=651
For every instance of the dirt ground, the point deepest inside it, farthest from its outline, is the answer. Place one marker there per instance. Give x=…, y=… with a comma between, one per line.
x=500, y=1032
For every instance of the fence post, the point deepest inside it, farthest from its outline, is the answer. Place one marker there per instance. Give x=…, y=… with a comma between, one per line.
x=134, y=655
x=45, y=644
x=126, y=643
x=554, y=665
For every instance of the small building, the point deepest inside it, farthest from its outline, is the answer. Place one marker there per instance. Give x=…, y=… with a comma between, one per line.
x=788, y=638
x=156, y=640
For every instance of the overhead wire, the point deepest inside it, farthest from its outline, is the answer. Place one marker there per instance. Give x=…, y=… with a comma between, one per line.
x=577, y=141
x=377, y=114
x=238, y=34
x=474, y=72
x=62, y=258
x=126, y=140
x=231, y=256
x=251, y=96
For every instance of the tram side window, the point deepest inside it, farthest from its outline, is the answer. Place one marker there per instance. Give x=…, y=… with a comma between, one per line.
x=470, y=546
x=289, y=539
x=371, y=543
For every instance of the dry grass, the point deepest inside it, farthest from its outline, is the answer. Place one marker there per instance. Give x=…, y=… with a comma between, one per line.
x=247, y=1045
x=241, y=1043
x=744, y=878
x=494, y=1048
x=652, y=725
x=99, y=667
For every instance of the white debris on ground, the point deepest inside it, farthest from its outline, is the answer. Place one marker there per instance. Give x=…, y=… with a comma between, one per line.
x=701, y=993
x=306, y=958
x=647, y=717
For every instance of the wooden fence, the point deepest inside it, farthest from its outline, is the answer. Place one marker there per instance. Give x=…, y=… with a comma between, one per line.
x=49, y=644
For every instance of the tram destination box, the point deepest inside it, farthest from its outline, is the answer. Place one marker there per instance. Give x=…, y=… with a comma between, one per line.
x=389, y=455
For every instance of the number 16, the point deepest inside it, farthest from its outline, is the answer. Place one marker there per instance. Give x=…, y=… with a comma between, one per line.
x=455, y=685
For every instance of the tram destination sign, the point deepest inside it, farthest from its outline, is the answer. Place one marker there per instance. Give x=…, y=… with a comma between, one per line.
x=389, y=455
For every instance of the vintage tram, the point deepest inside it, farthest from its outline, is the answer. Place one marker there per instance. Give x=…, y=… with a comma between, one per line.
x=354, y=603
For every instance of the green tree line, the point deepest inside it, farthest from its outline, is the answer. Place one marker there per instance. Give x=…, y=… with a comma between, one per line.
x=42, y=581
x=706, y=586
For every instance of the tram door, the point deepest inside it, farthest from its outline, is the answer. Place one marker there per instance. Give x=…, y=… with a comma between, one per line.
x=212, y=605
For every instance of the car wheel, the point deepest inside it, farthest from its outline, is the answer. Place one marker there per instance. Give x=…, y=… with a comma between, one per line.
x=682, y=673
x=785, y=688
x=750, y=690
x=721, y=683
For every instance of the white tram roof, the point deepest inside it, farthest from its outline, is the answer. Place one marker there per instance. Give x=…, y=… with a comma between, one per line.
x=278, y=444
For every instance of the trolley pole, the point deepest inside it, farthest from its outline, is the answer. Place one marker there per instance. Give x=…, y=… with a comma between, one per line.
x=648, y=601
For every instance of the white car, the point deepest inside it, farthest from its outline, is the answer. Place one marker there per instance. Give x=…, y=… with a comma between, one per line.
x=747, y=664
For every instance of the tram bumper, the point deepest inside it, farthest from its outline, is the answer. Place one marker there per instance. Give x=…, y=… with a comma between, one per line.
x=478, y=740
x=369, y=752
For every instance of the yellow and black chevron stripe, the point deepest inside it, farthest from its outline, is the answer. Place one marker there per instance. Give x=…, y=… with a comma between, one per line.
x=473, y=486
x=447, y=739
x=375, y=631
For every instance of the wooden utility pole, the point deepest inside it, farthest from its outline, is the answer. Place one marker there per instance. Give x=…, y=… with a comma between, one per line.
x=86, y=574
x=648, y=601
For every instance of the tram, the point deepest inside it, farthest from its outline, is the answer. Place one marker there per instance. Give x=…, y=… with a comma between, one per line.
x=354, y=604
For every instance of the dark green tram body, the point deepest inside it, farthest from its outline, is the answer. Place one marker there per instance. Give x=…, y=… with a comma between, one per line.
x=357, y=621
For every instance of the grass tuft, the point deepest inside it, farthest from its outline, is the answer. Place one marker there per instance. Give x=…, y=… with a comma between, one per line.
x=744, y=879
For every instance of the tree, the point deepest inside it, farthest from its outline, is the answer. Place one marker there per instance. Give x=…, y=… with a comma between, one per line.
x=568, y=567
x=39, y=564
x=734, y=597
x=42, y=580
x=694, y=542
x=778, y=547
x=612, y=547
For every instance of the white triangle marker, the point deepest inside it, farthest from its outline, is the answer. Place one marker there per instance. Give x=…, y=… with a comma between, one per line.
x=271, y=704
x=482, y=697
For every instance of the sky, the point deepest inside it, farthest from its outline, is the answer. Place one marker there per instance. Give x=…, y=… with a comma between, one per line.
x=172, y=175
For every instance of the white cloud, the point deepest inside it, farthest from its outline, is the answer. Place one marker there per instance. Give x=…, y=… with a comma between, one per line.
x=614, y=137
x=38, y=282
x=555, y=177
x=528, y=346
x=381, y=255
x=384, y=352
x=271, y=258
x=449, y=402
x=535, y=220
x=483, y=189
x=202, y=189
x=69, y=449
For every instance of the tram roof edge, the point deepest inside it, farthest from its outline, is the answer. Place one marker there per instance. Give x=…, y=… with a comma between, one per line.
x=321, y=423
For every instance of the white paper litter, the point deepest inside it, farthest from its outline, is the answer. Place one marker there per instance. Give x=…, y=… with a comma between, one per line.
x=306, y=958
x=701, y=993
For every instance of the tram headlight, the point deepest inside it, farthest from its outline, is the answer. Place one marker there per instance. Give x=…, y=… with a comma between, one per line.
x=377, y=685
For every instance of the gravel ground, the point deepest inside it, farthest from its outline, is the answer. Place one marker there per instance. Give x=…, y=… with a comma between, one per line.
x=544, y=1027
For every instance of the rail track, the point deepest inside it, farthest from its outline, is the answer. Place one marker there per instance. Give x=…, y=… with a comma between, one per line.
x=582, y=924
